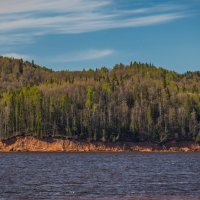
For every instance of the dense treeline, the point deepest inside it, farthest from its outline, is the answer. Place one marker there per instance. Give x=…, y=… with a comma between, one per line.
x=138, y=102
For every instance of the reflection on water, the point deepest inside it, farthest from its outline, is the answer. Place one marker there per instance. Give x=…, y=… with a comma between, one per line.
x=101, y=176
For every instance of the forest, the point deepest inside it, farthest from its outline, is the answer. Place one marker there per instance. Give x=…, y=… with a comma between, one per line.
x=135, y=102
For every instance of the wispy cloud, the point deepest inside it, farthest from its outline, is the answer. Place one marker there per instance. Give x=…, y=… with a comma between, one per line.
x=22, y=20
x=24, y=6
x=13, y=39
x=91, y=54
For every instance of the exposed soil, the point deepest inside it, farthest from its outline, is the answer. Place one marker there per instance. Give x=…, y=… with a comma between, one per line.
x=29, y=143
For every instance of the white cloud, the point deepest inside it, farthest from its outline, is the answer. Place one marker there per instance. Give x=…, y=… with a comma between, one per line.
x=90, y=54
x=15, y=55
x=24, y=6
x=12, y=39
x=21, y=20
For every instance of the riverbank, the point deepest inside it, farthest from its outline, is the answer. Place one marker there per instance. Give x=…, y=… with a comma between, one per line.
x=32, y=144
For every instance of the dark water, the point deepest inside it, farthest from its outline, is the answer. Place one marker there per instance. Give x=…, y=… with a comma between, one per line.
x=99, y=176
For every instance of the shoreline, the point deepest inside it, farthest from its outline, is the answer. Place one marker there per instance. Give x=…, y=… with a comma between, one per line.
x=33, y=144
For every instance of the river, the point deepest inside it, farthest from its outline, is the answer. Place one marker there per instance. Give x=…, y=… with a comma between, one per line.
x=126, y=176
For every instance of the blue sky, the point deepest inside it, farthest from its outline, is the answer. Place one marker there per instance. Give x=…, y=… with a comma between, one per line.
x=77, y=34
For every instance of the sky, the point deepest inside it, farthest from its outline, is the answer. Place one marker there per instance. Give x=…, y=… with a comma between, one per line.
x=77, y=34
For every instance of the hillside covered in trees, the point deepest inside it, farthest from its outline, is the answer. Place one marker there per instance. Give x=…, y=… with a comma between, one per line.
x=136, y=102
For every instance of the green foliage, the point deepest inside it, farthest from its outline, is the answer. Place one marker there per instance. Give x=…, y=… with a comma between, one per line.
x=107, y=87
x=90, y=97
